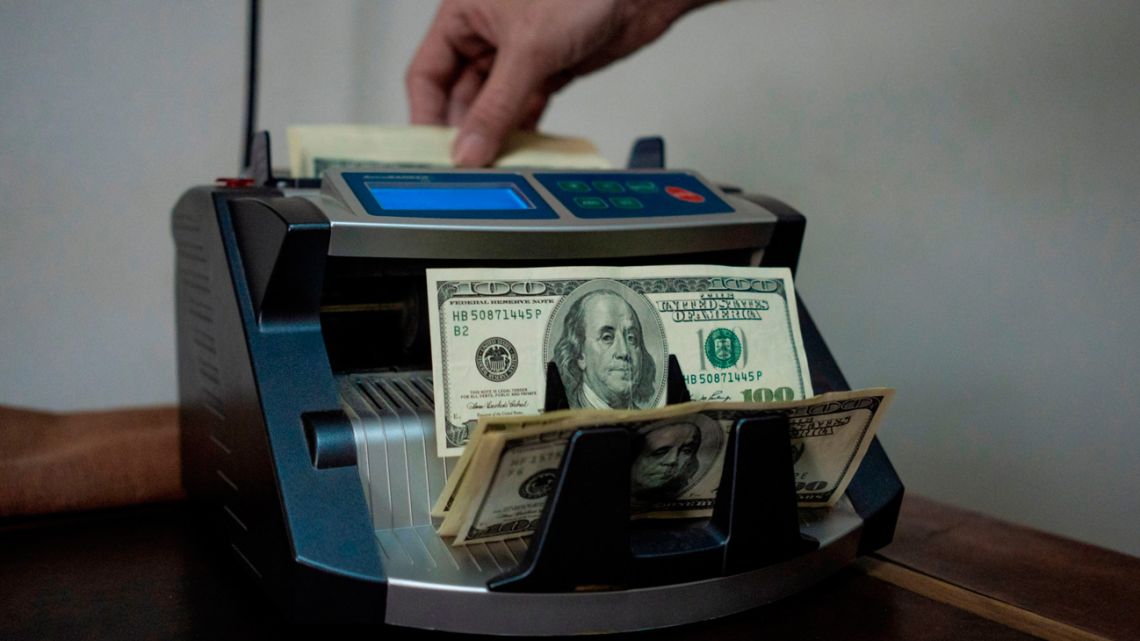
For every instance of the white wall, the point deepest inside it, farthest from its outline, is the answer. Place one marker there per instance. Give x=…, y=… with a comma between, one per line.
x=970, y=171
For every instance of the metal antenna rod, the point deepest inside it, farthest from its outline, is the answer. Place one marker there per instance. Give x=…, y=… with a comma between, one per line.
x=251, y=83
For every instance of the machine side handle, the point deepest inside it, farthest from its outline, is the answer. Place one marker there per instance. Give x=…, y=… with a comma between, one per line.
x=330, y=439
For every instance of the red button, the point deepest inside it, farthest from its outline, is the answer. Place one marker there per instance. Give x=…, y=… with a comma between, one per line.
x=237, y=183
x=680, y=193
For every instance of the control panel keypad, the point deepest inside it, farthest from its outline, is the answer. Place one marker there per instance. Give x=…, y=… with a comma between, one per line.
x=642, y=195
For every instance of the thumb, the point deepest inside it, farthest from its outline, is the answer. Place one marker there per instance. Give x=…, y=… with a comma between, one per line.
x=503, y=102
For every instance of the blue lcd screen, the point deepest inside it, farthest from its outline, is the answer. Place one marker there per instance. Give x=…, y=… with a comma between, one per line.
x=448, y=197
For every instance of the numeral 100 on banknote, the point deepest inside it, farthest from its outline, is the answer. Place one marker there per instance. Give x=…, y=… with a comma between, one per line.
x=500, y=288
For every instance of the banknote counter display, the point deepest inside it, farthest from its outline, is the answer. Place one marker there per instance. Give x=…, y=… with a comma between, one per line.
x=309, y=403
x=448, y=196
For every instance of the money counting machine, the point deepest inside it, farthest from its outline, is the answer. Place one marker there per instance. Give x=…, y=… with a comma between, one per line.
x=307, y=413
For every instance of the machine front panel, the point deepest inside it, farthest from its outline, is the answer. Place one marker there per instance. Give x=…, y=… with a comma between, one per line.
x=481, y=214
x=534, y=200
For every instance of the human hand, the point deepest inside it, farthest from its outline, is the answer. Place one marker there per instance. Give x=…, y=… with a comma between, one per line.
x=490, y=66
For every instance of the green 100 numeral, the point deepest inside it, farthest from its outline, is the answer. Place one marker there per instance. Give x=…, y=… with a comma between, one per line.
x=499, y=288
x=765, y=395
x=766, y=285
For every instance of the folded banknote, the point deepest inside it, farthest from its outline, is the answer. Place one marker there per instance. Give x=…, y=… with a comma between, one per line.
x=501, y=484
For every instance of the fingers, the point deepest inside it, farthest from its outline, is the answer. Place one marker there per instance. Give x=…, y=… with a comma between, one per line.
x=491, y=67
x=451, y=46
x=505, y=100
x=465, y=89
x=536, y=105
x=429, y=77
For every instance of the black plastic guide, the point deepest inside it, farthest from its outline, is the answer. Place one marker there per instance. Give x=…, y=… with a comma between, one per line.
x=579, y=541
x=647, y=153
x=756, y=508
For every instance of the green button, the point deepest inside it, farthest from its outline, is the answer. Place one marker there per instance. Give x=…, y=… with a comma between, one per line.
x=626, y=202
x=608, y=186
x=576, y=186
x=641, y=186
x=590, y=202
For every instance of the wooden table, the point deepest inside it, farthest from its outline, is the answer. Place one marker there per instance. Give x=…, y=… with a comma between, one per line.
x=150, y=572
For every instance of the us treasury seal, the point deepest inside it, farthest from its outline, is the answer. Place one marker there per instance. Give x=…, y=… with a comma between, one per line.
x=496, y=359
x=539, y=484
x=723, y=348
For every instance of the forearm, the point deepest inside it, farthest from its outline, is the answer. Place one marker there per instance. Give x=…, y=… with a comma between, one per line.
x=57, y=462
x=671, y=9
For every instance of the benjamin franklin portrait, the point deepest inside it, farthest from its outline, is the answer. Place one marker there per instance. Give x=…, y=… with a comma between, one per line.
x=671, y=456
x=602, y=351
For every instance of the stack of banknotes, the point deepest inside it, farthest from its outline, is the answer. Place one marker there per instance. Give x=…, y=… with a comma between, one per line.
x=315, y=148
x=499, y=486
x=609, y=331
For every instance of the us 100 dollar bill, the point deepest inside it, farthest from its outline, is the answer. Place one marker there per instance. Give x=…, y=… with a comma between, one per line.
x=735, y=332
x=678, y=456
